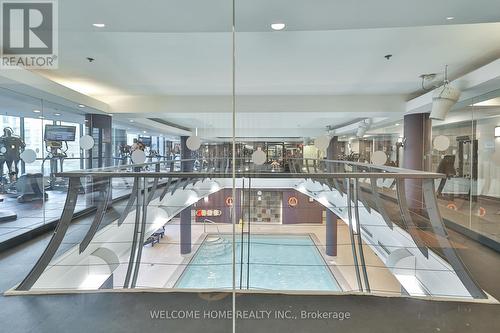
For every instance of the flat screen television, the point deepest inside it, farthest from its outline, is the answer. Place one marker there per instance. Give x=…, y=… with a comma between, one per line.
x=59, y=133
x=146, y=140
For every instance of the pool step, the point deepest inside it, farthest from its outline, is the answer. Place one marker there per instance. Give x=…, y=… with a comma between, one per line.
x=216, y=246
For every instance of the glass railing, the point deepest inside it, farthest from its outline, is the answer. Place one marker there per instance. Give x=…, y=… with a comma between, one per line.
x=308, y=225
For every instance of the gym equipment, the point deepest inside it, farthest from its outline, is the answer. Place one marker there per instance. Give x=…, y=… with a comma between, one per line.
x=124, y=157
x=56, y=153
x=124, y=153
x=447, y=167
x=7, y=215
x=467, y=157
x=11, y=147
x=31, y=185
x=56, y=144
x=352, y=157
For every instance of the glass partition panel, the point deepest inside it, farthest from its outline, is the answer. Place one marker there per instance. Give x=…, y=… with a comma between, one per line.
x=485, y=169
x=149, y=202
x=22, y=181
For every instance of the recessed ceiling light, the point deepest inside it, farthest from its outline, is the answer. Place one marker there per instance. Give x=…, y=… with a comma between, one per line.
x=144, y=132
x=131, y=120
x=449, y=18
x=57, y=114
x=99, y=25
x=397, y=124
x=41, y=117
x=81, y=106
x=278, y=26
x=37, y=111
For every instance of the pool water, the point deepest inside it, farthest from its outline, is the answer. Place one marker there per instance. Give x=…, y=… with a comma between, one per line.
x=277, y=262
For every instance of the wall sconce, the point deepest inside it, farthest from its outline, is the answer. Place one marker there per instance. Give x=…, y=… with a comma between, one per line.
x=497, y=131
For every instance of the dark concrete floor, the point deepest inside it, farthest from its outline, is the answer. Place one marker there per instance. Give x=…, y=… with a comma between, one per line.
x=130, y=312
x=483, y=263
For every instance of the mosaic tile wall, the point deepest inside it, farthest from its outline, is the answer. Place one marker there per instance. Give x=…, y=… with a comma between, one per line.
x=268, y=208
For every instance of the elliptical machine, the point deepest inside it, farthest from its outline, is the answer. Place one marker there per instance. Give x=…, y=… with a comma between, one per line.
x=56, y=153
x=124, y=153
x=56, y=144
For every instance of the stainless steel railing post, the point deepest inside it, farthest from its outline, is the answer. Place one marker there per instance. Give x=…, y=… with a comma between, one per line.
x=351, y=234
x=358, y=231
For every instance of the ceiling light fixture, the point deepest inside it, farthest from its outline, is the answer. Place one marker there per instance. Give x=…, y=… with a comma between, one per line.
x=278, y=26
x=37, y=111
x=449, y=18
x=81, y=106
x=497, y=132
x=99, y=25
x=57, y=114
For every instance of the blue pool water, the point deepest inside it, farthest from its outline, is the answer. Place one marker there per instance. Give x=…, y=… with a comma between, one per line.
x=277, y=262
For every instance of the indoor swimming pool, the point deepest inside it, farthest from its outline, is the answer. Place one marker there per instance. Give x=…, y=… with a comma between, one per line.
x=269, y=262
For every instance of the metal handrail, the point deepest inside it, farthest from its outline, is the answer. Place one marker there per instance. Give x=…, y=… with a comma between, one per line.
x=382, y=171
x=211, y=222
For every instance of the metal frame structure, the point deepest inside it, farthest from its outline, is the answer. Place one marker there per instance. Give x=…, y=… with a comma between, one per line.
x=345, y=179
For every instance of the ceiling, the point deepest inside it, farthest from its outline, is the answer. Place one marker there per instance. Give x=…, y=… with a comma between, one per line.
x=256, y=15
x=157, y=49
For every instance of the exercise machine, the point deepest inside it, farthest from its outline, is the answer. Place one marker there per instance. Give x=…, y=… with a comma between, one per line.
x=29, y=188
x=124, y=153
x=446, y=166
x=11, y=147
x=56, y=144
x=124, y=157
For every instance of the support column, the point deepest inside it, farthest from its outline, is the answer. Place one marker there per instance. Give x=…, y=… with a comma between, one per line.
x=99, y=126
x=331, y=233
x=331, y=218
x=332, y=151
x=417, y=154
x=185, y=225
x=185, y=215
x=186, y=155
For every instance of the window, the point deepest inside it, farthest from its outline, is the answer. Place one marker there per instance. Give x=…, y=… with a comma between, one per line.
x=33, y=138
x=12, y=122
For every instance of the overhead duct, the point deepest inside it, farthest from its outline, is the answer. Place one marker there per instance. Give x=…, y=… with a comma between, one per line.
x=443, y=100
x=361, y=131
x=363, y=127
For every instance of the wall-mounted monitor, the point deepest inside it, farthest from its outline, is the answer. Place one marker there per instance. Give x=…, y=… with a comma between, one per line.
x=146, y=140
x=59, y=133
